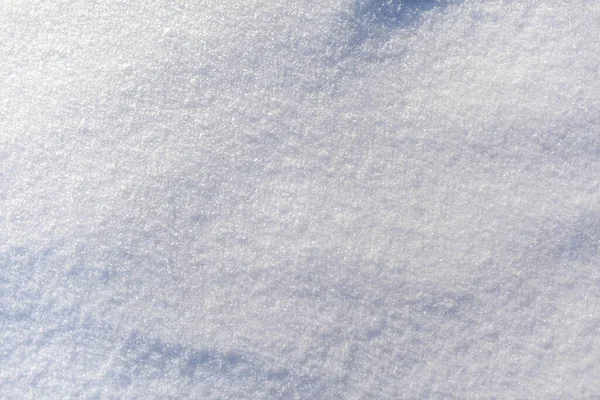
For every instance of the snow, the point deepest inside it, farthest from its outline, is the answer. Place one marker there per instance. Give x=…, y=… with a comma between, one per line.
x=348, y=199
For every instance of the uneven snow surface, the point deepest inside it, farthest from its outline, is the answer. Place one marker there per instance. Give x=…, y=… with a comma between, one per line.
x=274, y=199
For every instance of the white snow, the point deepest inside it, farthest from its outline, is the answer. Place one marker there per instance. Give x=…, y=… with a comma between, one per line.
x=265, y=199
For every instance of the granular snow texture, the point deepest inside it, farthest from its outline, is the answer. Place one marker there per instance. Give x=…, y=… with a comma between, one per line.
x=266, y=199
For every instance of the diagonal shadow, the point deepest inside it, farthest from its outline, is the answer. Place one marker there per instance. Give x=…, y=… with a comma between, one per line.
x=376, y=18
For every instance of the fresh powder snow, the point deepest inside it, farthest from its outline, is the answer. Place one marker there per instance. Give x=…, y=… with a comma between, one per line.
x=268, y=199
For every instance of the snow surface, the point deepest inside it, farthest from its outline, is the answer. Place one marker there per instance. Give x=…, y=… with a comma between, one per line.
x=269, y=199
